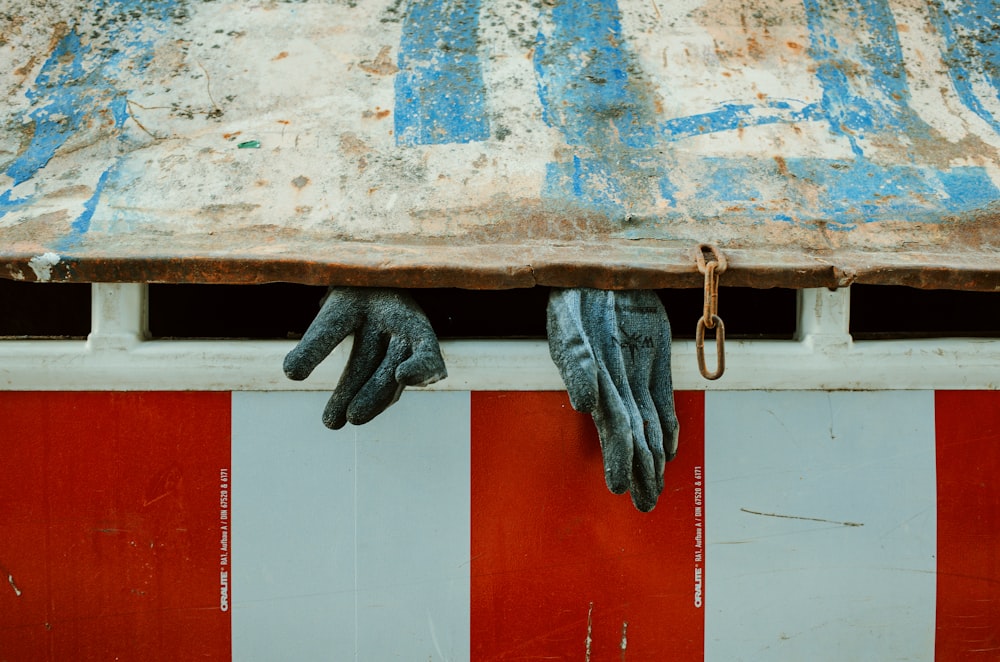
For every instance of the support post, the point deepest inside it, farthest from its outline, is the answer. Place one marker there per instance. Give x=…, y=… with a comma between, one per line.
x=118, y=319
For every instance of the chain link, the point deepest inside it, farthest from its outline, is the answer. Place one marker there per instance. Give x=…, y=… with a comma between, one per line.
x=712, y=268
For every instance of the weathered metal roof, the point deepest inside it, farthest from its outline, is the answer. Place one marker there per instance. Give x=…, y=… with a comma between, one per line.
x=501, y=143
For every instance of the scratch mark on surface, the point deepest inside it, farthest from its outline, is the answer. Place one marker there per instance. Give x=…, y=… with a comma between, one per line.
x=624, y=638
x=10, y=580
x=799, y=517
x=590, y=629
x=216, y=111
x=434, y=639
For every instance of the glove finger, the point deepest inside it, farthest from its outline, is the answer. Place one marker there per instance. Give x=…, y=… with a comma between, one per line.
x=669, y=426
x=649, y=457
x=615, y=431
x=647, y=467
x=646, y=478
x=366, y=355
x=338, y=318
x=570, y=348
x=662, y=390
x=425, y=366
x=382, y=389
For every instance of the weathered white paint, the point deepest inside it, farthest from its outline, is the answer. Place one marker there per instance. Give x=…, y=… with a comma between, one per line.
x=788, y=587
x=42, y=266
x=346, y=536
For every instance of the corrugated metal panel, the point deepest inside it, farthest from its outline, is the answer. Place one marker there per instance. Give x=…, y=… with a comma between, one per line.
x=495, y=143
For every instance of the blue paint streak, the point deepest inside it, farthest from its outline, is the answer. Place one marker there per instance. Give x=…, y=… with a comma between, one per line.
x=587, y=81
x=81, y=225
x=75, y=84
x=440, y=93
x=739, y=116
x=864, y=82
x=591, y=90
x=971, y=31
x=60, y=107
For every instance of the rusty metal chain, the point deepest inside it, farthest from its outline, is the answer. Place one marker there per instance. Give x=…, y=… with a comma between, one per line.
x=712, y=268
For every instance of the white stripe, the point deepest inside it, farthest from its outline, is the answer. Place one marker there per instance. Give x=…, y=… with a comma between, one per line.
x=782, y=587
x=351, y=544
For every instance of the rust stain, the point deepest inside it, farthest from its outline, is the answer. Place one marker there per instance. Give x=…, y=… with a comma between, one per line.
x=378, y=113
x=782, y=166
x=75, y=191
x=280, y=56
x=59, y=30
x=26, y=68
x=351, y=144
x=382, y=65
x=751, y=32
x=227, y=209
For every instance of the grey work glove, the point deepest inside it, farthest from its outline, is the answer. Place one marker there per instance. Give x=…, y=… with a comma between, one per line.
x=394, y=347
x=613, y=351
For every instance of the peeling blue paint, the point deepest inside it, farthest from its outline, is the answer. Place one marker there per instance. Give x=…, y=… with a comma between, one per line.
x=593, y=91
x=440, y=93
x=971, y=31
x=842, y=193
x=865, y=89
x=61, y=103
x=731, y=116
x=857, y=191
x=75, y=84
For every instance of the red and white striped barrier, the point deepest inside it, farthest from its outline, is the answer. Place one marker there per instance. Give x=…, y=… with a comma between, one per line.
x=802, y=525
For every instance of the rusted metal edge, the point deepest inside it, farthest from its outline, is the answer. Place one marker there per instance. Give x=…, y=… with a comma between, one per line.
x=517, y=266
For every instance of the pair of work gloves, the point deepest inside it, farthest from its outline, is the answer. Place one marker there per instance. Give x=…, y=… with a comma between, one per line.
x=612, y=349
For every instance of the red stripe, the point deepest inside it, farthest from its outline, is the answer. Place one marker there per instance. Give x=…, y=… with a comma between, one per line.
x=968, y=481
x=555, y=555
x=110, y=520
